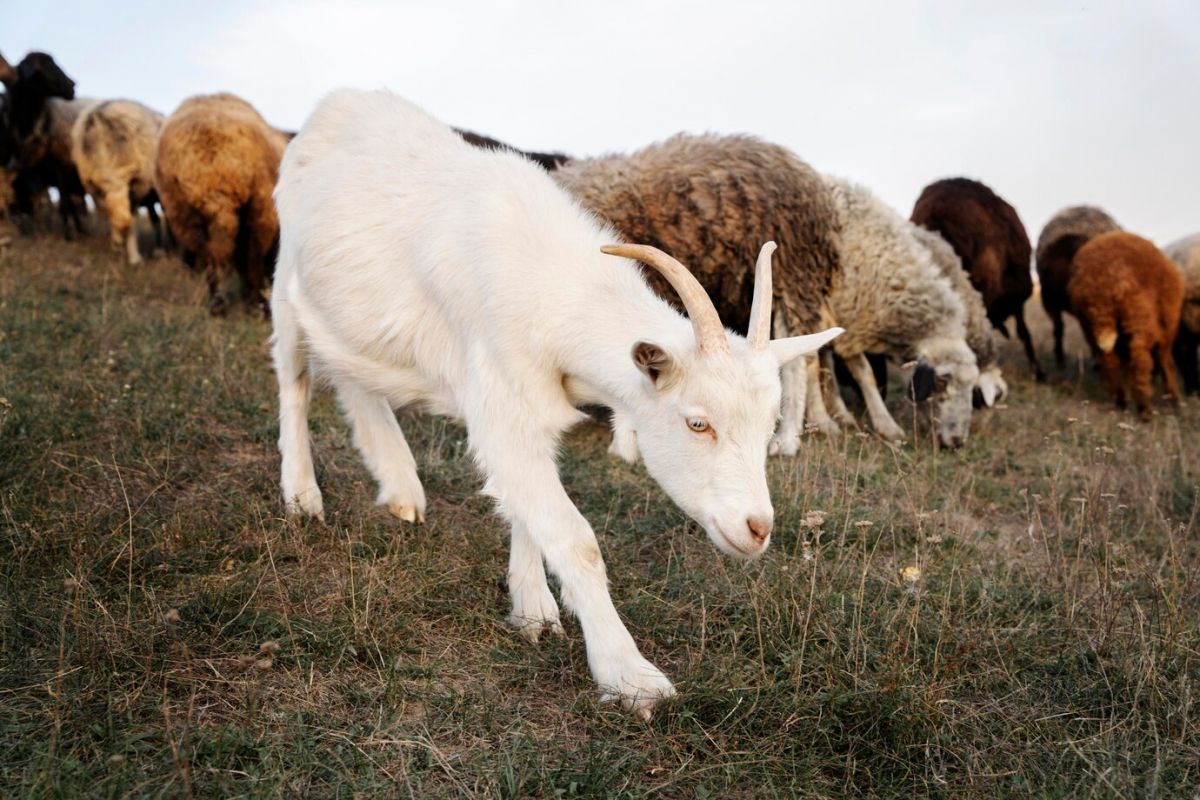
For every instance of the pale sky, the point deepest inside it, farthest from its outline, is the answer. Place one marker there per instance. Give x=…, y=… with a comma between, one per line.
x=1050, y=103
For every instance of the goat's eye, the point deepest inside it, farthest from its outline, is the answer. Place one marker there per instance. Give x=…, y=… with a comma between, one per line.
x=697, y=424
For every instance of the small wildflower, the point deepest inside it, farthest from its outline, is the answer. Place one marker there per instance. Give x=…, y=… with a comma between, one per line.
x=270, y=647
x=4, y=403
x=1072, y=420
x=127, y=387
x=70, y=583
x=1125, y=426
x=1108, y=451
x=911, y=573
x=806, y=552
x=935, y=538
x=813, y=519
x=263, y=663
x=863, y=524
x=116, y=759
x=172, y=616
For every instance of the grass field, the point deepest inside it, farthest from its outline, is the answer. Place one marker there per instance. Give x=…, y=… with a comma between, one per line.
x=1021, y=618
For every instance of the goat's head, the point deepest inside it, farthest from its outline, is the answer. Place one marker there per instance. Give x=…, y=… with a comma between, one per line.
x=39, y=74
x=946, y=374
x=704, y=414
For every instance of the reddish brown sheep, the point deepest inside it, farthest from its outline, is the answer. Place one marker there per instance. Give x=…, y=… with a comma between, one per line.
x=1127, y=295
x=215, y=169
x=1064, y=234
x=988, y=236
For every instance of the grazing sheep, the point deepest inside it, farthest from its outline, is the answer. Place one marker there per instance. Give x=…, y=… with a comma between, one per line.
x=1064, y=234
x=1186, y=253
x=411, y=268
x=215, y=168
x=711, y=200
x=988, y=236
x=42, y=108
x=112, y=145
x=981, y=336
x=892, y=299
x=548, y=161
x=1127, y=295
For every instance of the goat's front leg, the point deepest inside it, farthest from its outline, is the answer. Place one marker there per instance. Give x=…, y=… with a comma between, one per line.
x=881, y=418
x=523, y=478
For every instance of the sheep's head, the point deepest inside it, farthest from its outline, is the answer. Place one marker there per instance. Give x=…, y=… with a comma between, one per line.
x=705, y=412
x=946, y=375
x=39, y=74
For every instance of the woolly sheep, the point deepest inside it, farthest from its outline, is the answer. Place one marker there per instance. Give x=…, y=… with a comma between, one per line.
x=215, y=168
x=113, y=146
x=1186, y=253
x=981, y=336
x=41, y=109
x=1064, y=234
x=892, y=299
x=710, y=200
x=1127, y=296
x=547, y=161
x=988, y=236
x=411, y=267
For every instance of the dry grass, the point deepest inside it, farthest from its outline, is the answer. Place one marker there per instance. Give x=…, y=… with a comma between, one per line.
x=1018, y=618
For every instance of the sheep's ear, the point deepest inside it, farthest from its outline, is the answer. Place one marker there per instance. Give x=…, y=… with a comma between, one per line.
x=923, y=381
x=791, y=348
x=8, y=75
x=655, y=362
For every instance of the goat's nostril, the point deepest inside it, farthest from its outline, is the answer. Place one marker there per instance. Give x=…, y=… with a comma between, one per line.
x=760, y=528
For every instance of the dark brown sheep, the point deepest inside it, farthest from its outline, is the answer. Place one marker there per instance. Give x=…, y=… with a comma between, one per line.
x=547, y=161
x=1127, y=295
x=988, y=236
x=215, y=169
x=1064, y=234
x=1186, y=253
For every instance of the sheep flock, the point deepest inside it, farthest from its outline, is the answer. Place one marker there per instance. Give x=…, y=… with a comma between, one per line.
x=707, y=290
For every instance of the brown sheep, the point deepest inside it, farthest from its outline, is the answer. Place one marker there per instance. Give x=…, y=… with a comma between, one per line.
x=112, y=145
x=1127, y=295
x=1064, y=234
x=215, y=169
x=1186, y=253
x=711, y=201
x=988, y=236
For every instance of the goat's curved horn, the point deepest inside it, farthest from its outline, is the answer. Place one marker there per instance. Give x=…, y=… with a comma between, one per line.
x=759, y=332
x=710, y=333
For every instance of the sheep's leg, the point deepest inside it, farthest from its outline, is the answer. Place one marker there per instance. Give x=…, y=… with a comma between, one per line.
x=786, y=441
x=1141, y=374
x=817, y=414
x=218, y=251
x=837, y=404
x=624, y=439
x=298, y=478
x=123, y=233
x=1186, y=356
x=1111, y=372
x=378, y=437
x=1166, y=361
x=518, y=457
x=533, y=605
x=1056, y=319
x=881, y=418
x=1027, y=341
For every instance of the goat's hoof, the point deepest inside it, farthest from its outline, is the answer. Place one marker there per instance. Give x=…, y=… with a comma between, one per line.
x=406, y=512
x=531, y=629
x=305, y=503
x=639, y=686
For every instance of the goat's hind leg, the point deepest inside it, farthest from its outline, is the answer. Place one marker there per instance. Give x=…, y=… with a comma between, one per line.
x=533, y=605
x=378, y=437
x=298, y=478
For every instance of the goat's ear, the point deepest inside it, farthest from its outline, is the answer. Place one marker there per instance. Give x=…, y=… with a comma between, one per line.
x=791, y=348
x=655, y=362
x=923, y=381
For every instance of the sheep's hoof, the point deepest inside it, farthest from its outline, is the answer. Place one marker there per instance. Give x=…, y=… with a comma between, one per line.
x=217, y=306
x=408, y=513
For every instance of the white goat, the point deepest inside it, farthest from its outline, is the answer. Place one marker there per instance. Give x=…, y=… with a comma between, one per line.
x=415, y=268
